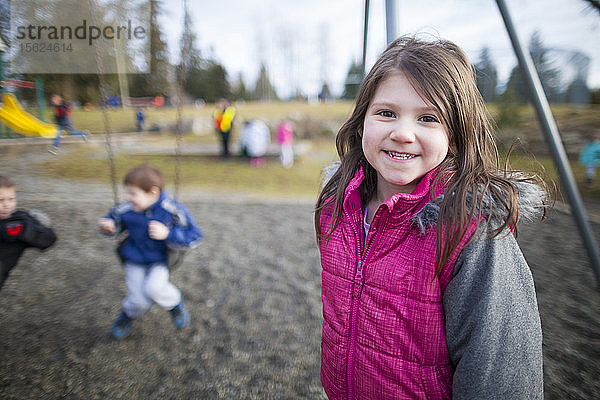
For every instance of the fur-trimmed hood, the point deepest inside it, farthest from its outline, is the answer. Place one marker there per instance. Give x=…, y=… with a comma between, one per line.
x=531, y=202
x=530, y=199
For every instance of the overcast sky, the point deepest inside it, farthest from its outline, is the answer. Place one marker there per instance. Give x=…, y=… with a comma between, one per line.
x=306, y=42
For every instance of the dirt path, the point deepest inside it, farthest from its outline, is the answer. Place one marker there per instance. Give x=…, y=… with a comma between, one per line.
x=253, y=291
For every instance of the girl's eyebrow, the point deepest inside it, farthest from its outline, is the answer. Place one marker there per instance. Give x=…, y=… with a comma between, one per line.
x=392, y=105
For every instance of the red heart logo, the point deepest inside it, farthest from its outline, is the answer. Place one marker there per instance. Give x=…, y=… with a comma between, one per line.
x=14, y=230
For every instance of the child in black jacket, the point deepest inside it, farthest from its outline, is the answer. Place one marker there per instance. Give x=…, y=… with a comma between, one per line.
x=19, y=229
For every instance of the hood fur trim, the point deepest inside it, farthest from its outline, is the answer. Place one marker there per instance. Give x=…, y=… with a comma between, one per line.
x=530, y=200
x=328, y=171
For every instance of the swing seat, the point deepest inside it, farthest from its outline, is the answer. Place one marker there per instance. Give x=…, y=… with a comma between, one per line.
x=175, y=257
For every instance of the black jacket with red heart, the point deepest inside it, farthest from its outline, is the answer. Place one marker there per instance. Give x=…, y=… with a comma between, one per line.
x=18, y=232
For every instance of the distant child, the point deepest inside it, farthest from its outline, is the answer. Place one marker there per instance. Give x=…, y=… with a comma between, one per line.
x=19, y=229
x=254, y=141
x=285, y=138
x=425, y=292
x=154, y=223
x=223, y=117
x=62, y=118
x=590, y=158
x=140, y=119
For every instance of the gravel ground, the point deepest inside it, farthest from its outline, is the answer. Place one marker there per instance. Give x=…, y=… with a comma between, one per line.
x=252, y=288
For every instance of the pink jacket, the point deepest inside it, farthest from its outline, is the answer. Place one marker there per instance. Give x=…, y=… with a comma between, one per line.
x=383, y=330
x=285, y=133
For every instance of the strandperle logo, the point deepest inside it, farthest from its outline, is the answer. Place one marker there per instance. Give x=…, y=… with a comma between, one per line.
x=81, y=32
x=80, y=37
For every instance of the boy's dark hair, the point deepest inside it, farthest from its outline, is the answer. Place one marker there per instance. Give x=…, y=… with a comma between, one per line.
x=6, y=182
x=144, y=176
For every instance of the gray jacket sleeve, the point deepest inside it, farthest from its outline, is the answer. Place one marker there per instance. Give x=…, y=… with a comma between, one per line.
x=493, y=325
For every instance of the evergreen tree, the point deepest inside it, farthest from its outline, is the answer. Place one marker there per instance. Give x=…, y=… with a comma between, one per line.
x=263, y=90
x=486, y=75
x=156, y=81
x=325, y=93
x=549, y=75
x=190, y=59
x=353, y=81
x=215, y=81
x=239, y=89
x=595, y=96
x=578, y=91
x=515, y=86
x=202, y=78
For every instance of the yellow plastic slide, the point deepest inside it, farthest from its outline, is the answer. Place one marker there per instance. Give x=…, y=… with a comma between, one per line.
x=18, y=120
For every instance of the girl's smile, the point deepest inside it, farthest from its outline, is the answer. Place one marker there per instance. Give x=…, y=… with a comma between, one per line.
x=403, y=136
x=400, y=156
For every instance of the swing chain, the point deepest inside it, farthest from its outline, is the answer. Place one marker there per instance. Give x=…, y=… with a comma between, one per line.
x=180, y=94
x=105, y=116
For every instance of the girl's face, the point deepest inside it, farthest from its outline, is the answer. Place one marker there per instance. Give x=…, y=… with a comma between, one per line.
x=403, y=136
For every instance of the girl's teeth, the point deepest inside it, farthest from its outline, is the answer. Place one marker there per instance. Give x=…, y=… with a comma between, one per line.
x=400, y=156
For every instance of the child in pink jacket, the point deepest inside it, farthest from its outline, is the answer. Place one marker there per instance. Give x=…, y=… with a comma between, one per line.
x=426, y=294
x=285, y=138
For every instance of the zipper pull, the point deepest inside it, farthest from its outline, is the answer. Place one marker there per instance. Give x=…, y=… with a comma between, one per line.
x=358, y=281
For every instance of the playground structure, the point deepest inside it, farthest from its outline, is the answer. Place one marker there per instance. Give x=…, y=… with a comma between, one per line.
x=13, y=116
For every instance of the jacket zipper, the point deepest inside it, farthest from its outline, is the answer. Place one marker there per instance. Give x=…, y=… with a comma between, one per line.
x=356, y=294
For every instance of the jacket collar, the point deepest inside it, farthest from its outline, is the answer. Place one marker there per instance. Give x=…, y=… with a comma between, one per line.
x=399, y=202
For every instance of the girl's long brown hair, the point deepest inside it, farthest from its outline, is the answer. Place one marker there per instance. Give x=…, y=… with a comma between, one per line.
x=442, y=74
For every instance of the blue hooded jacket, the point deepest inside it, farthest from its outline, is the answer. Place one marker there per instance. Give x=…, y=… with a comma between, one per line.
x=139, y=248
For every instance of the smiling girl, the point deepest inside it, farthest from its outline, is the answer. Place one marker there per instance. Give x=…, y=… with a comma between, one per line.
x=425, y=291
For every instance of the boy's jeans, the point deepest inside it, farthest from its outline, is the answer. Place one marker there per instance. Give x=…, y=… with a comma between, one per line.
x=69, y=128
x=146, y=285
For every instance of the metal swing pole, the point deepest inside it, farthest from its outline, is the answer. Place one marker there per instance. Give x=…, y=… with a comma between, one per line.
x=365, y=33
x=390, y=20
x=542, y=108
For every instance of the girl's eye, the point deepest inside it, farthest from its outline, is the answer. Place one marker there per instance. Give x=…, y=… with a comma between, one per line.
x=386, y=114
x=429, y=118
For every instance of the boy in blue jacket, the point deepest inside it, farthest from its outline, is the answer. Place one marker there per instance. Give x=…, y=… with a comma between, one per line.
x=155, y=223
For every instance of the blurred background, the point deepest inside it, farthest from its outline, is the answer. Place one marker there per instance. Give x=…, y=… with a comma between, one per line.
x=255, y=298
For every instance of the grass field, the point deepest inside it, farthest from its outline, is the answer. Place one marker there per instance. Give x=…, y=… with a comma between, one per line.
x=201, y=171
x=124, y=120
x=210, y=173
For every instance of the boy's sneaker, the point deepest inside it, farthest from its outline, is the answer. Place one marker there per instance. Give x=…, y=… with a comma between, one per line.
x=121, y=327
x=53, y=150
x=180, y=315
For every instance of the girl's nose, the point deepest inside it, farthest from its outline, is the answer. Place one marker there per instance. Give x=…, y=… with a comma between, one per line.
x=403, y=132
